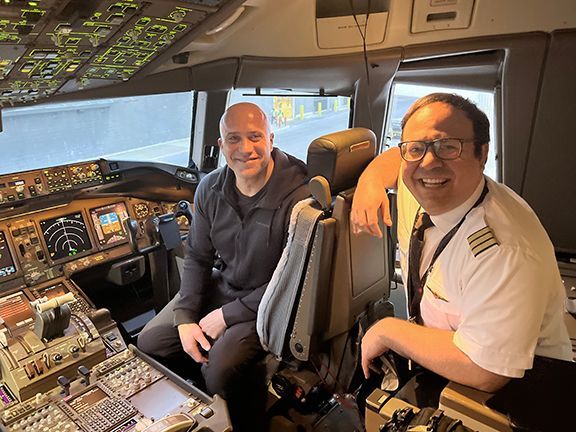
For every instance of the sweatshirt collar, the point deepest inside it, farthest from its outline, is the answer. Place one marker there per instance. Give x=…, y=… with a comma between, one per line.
x=278, y=181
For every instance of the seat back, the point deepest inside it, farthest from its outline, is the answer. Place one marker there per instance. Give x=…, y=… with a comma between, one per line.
x=358, y=272
x=344, y=276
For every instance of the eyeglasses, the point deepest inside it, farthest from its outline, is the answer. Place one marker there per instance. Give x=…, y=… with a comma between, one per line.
x=443, y=148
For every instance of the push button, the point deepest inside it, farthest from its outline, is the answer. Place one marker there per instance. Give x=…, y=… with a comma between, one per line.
x=207, y=412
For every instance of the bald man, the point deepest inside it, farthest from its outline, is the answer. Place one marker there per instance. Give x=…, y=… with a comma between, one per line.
x=241, y=217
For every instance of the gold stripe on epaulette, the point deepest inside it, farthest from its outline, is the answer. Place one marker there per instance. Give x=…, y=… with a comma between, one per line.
x=482, y=240
x=478, y=233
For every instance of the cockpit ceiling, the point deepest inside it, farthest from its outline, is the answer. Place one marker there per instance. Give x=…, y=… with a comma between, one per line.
x=55, y=46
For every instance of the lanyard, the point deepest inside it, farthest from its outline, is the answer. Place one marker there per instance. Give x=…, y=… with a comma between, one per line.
x=445, y=240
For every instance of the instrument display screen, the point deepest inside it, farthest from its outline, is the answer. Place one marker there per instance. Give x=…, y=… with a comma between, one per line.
x=15, y=310
x=108, y=223
x=87, y=399
x=7, y=266
x=52, y=291
x=65, y=236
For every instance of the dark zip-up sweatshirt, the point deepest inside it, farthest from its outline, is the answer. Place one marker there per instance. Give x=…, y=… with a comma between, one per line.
x=249, y=248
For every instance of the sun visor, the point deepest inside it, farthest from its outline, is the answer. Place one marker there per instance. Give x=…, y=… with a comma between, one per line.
x=339, y=22
x=429, y=15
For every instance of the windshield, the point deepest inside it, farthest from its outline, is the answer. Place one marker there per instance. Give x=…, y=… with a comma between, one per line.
x=153, y=128
x=298, y=118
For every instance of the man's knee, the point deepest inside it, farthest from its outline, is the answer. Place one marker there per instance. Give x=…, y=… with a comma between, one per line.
x=147, y=340
x=161, y=341
x=231, y=365
x=228, y=379
x=219, y=380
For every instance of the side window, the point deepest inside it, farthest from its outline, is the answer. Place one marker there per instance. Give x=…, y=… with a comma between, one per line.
x=403, y=95
x=298, y=119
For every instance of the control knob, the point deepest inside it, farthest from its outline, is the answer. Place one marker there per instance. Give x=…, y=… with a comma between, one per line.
x=40, y=399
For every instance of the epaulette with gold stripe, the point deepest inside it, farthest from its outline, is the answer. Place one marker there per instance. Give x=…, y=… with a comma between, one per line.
x=482, y=240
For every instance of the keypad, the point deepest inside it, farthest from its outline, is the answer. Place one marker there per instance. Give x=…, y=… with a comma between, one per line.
x=105, y=414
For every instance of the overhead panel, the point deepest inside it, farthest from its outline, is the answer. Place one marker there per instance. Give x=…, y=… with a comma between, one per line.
x=430, y=15
x=54, y=46
x=343, y=23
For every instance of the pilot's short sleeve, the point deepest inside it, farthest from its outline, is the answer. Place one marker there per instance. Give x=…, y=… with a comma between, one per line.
x=503, y=305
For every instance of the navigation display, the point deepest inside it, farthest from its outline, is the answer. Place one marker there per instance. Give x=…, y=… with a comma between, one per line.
x=108, y=223
x=7, y=266
x=65, y=236
x=15, y=310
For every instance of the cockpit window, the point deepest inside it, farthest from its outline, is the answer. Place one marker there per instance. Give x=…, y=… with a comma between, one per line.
x=153, y=128
x=296, y=118
x=404, y=95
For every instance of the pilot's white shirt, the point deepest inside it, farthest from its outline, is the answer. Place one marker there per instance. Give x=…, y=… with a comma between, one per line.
x=496, y=284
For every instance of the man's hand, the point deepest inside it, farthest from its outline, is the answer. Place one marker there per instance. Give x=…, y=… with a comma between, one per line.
x=370, y=196
x=372, y=347
x=190, y=336
x=369, y=201
x=213, y=324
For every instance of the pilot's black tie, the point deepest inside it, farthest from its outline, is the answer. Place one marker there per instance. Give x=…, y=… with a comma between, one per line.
x=423, y=222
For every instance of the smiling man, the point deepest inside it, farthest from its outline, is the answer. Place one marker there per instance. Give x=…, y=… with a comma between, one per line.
x=485, y=294
x=241, y=221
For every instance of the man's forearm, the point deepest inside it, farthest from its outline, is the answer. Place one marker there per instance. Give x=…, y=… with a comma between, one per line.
x=370, y=199
x=196, y=278
x=435, y=350
x=383, y=170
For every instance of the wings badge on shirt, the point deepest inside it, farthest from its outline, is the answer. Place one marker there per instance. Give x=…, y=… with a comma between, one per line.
x=482, y=240
x=436, y=295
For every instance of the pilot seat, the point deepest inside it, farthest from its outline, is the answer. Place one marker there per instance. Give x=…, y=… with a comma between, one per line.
x=329, y=287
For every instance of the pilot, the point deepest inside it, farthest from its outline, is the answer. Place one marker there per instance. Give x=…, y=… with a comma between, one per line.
x=236, y=237
x=485, y=294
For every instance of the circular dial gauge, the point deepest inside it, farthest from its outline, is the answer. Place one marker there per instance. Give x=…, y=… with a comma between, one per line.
x=65, y=236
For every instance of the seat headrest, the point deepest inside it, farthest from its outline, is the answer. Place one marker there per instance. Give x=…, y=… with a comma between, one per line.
x=341, y=157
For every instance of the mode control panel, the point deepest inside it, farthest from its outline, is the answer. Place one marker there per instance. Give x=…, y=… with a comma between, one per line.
x=68, y=177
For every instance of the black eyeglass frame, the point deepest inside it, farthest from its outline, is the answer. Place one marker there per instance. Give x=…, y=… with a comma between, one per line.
x=433, y=143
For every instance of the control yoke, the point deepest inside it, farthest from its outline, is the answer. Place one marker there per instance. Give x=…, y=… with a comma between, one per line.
x=183, y=208
x=163, y=229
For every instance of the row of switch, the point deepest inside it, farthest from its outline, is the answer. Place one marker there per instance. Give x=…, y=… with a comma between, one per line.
x=38, y=366
x=33, y=191
x=20, y=188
